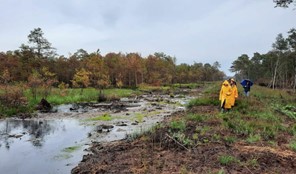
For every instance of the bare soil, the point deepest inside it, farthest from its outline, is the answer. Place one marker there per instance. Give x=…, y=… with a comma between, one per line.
x=157, y=152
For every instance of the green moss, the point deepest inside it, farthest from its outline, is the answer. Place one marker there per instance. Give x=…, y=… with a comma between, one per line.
x=139, y=117
x=71, y=149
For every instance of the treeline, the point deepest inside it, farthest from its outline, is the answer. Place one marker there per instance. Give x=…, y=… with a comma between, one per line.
x=277, y=68
x=38, y=62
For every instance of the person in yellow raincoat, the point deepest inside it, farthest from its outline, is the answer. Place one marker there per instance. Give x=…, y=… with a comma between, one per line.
x=225, y=96
x=234, y=94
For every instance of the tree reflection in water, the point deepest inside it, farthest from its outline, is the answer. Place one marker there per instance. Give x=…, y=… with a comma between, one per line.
x=35, y=129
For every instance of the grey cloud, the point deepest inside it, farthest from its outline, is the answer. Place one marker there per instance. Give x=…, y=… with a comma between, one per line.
x=193, y=31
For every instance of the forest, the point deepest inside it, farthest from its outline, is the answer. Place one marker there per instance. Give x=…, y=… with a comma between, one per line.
x=276, y=68
x=36, y=67
x=38, y=61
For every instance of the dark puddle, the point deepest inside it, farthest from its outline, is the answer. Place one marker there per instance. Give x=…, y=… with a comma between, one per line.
x=41, y=146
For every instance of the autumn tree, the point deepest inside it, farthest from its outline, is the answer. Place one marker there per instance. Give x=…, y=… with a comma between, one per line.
x=65, y=68
x=81, y=79
x=48, y=79
x=134, y=69
x=152, y=70
x=183, y=73
x=196, y=72
x=168, y=69
x=11, y=62
x=35, y=82
x=99, y=77
x=5, y=79
x=117, y=67
x=27, y=60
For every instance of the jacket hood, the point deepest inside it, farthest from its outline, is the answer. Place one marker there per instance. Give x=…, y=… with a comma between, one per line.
x=226, y=83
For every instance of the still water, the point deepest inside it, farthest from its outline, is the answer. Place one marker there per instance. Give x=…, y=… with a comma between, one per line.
x=41, y=146
x=56, y=145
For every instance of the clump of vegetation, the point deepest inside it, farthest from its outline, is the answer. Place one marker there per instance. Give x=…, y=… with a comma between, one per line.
x=13, y=101
x=292, y=145
x=104, y=117
x=227, y=160
x=252, y=163
x=203, y=102
x=188, y=85
x=230, y=139
x=288, y=110
x=253, y=138
x=139, y=117
x=178, y=125
x=195, y=117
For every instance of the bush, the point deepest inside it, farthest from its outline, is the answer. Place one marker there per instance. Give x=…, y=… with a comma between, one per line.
x=13, y=101
x=13, y=98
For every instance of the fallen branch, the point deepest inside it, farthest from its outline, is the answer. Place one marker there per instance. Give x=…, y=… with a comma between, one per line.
x=176, y=141
x=249, y=170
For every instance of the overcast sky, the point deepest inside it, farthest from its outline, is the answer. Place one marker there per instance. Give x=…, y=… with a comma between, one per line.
x=190, y=30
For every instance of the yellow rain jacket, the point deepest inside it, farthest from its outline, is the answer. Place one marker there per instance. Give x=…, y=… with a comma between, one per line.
x=234, y=94
x=225, y=95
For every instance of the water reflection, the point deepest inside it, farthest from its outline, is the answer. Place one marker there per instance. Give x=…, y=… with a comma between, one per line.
x=35, y=129
x=31, y=146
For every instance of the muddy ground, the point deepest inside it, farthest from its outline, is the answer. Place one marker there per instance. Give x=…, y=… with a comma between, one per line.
x=158, y=152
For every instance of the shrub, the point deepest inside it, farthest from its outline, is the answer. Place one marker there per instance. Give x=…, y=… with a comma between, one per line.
x=13, y=98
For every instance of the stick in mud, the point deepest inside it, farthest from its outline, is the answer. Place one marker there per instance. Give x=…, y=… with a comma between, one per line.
x=177, y=142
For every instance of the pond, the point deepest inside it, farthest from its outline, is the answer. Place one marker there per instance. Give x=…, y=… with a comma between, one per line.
x=56, y=142
x=41, y=146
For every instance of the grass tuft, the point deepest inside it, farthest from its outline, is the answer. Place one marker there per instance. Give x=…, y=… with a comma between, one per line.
x=227, y=160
